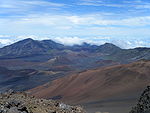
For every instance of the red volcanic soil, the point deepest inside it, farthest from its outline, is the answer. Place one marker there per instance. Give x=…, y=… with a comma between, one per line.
x=114, y=82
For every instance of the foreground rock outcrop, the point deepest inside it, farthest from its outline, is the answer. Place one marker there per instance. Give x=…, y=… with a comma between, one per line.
x=143, y=105
x=19, y=102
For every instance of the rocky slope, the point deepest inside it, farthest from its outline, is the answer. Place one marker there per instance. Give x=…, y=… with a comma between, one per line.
x=143, y=105
x=11, y=102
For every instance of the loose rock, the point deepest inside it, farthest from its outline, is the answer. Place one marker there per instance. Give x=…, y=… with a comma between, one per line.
x=17, y=102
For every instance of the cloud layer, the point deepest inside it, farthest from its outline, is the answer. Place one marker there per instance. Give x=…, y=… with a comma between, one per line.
x=126, y=22
x=123, y=43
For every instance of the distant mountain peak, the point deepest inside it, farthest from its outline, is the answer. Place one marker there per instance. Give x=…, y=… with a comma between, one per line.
x=29, y=47
x=108, y=48
x=109, y=45
x=85, y=44
x=28, y=39
x=24, y=41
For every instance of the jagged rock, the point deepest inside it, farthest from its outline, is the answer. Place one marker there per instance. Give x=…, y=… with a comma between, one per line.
x=143, y=105
x=17, y=102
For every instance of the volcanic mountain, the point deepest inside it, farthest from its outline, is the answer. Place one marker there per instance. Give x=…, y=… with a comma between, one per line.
x=29, y=47
x=108, y=48
x=121, y=83
x=34, y=50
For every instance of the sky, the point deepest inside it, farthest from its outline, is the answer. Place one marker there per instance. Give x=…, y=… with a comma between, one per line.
x=125, y=23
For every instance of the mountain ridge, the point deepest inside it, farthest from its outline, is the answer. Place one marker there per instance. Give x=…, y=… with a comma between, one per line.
x=48, y=48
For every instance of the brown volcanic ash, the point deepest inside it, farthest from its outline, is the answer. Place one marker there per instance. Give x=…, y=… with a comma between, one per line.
x=121, y=81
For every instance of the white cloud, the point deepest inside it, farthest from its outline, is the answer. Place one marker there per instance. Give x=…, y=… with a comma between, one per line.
x=79, y=40
x=59, y=23
x=42, y=3
x=67, y=25
x=101, y=4
x=143, y=6
x=95, y=20
x=4, y=36
x=134, y=4
x=123, y=43
x=25, y=7
x=62, y=40
x=133, y=43
x=101, y=38
x=6, y=41
x=69, y=40
x=80, y=19
x=27, y=3
x=21, y=37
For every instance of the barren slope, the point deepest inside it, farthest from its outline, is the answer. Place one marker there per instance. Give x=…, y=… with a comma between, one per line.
x=121, y=84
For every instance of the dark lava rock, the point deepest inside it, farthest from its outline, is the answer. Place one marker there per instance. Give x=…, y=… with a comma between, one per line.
x=19, y=102
x=143, y=105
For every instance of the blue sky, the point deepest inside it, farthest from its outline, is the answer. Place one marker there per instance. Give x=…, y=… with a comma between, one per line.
x=125, y=23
